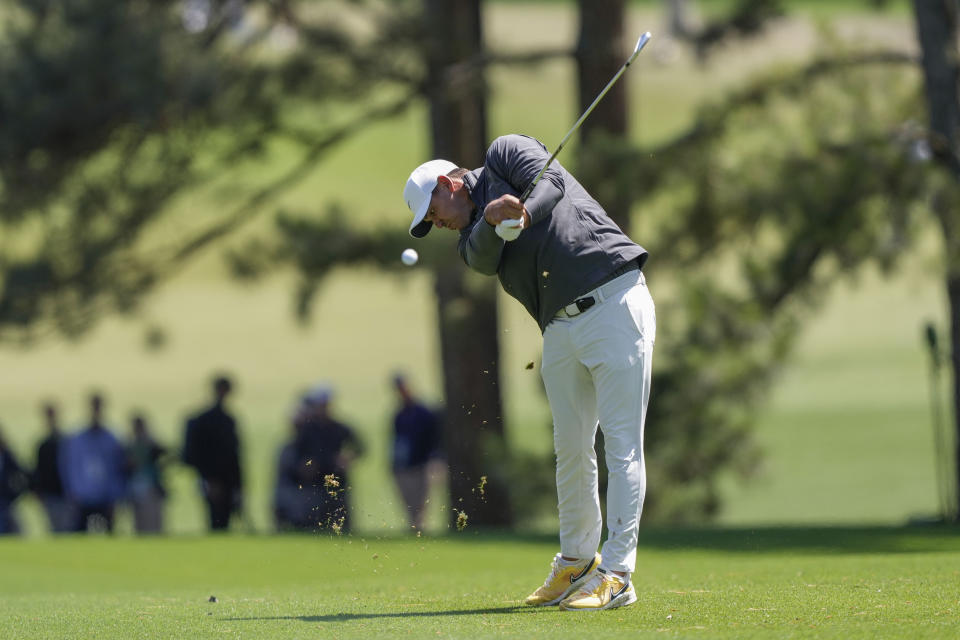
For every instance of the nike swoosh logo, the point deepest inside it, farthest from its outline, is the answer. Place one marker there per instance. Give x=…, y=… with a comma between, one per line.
x=586, y=569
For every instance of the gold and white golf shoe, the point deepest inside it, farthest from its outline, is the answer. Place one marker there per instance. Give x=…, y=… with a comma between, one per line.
x=604, y=590
x=562, y=581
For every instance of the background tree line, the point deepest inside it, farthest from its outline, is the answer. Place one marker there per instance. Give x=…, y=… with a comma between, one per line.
x=112, y=110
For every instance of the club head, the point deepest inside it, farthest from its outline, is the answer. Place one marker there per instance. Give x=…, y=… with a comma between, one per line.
x=641, y=41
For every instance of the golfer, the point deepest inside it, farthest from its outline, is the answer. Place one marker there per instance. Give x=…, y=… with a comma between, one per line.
x=580, y=278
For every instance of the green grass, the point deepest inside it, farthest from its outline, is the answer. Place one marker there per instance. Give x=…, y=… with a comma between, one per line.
x=847, y=430
x=735, y=583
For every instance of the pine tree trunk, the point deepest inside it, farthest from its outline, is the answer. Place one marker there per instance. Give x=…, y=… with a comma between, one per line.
x=937, y=32
x=601, y=51
x=466, y=302
x=953, y=294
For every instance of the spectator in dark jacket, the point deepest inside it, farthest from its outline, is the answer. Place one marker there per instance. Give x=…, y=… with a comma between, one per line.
x=212, y=447
x=416, y=441
x=325, y=449
x=13, y=482
x=294, y=506
x=47, y=484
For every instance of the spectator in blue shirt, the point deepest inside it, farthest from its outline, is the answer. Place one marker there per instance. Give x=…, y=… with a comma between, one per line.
x=92, y=467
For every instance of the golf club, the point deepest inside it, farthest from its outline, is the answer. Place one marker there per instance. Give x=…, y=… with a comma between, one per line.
x=636, y=51
x=508, y=229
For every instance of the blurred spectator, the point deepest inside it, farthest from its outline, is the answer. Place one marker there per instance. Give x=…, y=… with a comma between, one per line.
x=292, y=506
x=47, y=484
x=416, y=439
x=92, y=466
x=325, y=449
x=212, y=447
x=146, y=491
x=13, y=482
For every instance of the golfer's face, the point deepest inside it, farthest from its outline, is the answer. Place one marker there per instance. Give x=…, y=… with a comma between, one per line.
x=449, y=208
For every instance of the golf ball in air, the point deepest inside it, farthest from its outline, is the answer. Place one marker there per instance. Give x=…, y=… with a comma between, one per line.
x=409, y=257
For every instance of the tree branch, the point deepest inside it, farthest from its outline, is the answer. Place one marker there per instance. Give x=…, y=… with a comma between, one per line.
x=761, y=91
x=316, y=150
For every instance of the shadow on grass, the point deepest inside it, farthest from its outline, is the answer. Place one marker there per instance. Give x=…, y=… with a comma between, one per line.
x=346, y=617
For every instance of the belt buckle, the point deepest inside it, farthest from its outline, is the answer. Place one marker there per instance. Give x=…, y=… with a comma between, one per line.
x=578, y=306
x=571, y=310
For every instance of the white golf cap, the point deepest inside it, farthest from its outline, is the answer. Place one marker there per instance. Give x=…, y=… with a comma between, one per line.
x=419, y=189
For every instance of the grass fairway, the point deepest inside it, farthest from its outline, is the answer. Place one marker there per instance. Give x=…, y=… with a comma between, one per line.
x=727, y=583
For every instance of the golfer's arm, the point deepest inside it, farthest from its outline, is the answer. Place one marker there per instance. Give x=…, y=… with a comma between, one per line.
x=519, y=160
x=481, y=248
x=543, y=199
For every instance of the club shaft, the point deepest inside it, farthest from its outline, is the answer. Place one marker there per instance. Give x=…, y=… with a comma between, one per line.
x=640, y=43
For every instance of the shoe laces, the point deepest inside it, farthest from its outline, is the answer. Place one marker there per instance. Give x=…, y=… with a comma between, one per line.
x=599, y=577
x=592, y=583
x=555, y=567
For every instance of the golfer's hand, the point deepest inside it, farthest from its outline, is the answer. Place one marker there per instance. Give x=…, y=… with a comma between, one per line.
x=504, y=208
x=508, y=215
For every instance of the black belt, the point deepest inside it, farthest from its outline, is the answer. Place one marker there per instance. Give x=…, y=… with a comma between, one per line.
x=601, y=292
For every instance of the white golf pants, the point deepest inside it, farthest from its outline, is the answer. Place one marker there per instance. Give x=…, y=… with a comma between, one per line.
x=596, y=369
